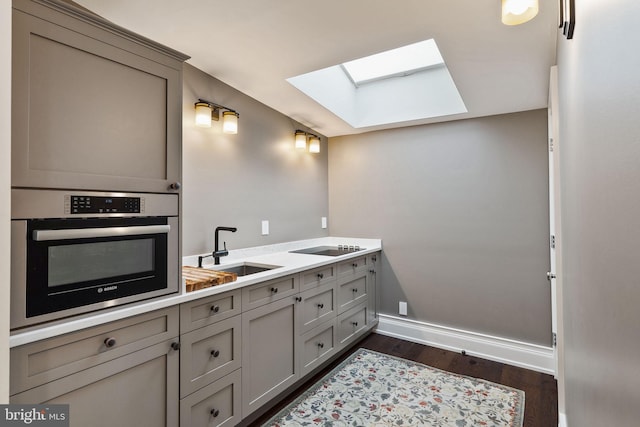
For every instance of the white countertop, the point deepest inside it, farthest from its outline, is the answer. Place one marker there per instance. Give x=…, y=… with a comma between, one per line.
x=278, y=254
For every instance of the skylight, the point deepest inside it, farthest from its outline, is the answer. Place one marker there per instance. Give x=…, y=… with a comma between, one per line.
x=413, y=79
x=402, y=61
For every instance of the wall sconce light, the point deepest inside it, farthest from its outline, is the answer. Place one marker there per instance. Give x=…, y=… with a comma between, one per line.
x=314, y=144
x=301, y=141
x=207, y=111
x=515, y=12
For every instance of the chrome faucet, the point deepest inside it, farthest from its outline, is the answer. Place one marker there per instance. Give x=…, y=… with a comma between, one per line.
x=217, y=253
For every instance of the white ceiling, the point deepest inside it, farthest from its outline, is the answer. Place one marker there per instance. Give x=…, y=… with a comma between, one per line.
x=255, y=45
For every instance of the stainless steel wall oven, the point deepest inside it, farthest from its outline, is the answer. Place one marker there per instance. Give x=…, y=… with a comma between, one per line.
x=75, y=252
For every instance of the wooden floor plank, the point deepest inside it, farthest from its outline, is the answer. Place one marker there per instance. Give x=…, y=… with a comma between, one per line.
x=541, y=395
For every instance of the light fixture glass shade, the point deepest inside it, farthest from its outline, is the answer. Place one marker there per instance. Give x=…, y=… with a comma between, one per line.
x=515, y=12
x=203, y=115
x=301, y=140
x=230, y=122
x=314, y=144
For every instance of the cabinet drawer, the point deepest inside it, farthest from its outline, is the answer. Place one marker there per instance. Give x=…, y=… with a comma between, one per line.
x=317, y=306
x=351, y=324
x=273, y=290
x=209, y=353
x=352, y=291
x=218, y=404
x=318, y=345
x=352, y=266
x=317, y=276
x=205, y=311
x=135, y=390
x=44, y=361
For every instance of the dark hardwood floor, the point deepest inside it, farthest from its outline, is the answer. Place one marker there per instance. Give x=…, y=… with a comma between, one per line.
x=541, y=395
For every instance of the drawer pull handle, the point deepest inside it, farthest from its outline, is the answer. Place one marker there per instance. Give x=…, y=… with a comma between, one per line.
x=354, y=323
x=215, y=353
x=354, y=265
x=274, y=290
x=354, y=290
x=372, y=271
x=320, y=275
x=215, y=309
x=374, y=258
x=175, y=346
x=215, y=413
x=110, y=342
x=320, y=305
x=299, y=299
x=320, y=345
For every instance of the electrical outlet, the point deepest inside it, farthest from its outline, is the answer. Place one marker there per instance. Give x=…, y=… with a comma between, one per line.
x=402, y=308
x=323, y=222
x=265, y=227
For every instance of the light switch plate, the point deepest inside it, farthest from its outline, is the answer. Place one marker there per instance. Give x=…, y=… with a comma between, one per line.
x=265, y=227
x=324, y=222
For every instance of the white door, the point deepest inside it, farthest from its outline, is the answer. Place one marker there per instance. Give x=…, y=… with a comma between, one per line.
x=555, y=225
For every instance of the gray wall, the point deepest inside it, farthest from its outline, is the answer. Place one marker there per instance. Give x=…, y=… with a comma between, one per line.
x=462, y=210
x=240, y=180
x=599, y=91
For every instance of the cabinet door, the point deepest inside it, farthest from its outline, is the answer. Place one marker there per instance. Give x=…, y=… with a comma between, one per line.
x=216, y=405
x=317, y=306
x=352, y=290
x=374, y=274
x=91, y=109
x=352, y=324
x=269, y=357
x=209, y=353
x=266, y=292
x=317, y=346
x=140, y=389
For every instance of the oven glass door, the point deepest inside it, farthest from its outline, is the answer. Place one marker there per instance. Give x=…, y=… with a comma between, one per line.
x=76, y=262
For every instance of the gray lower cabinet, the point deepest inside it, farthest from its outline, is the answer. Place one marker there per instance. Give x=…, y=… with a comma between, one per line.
x=317, y=346
x=217, y=404
x=210, y=361
x=269, y=356
x=237, y=351
x=124, y=373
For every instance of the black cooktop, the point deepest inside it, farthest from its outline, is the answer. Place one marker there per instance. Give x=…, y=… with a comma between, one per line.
x=328, y=250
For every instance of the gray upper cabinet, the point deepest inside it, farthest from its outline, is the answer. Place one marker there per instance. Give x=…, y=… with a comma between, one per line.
x=94, y=106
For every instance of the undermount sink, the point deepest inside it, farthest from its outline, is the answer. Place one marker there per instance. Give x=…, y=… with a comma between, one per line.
x=245, y=269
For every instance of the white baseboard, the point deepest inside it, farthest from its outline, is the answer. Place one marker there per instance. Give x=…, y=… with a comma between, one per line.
x=562, y=420
x=525, y=355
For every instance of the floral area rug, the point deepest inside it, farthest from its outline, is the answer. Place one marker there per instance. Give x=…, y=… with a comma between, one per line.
x=374, y=389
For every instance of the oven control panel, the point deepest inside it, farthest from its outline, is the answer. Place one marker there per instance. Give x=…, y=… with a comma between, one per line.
x=102, y=205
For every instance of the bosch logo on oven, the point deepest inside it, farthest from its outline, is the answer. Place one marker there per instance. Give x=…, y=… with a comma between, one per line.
x=107, y=288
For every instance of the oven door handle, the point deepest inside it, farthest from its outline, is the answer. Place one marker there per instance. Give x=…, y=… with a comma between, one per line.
x=89, y=233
